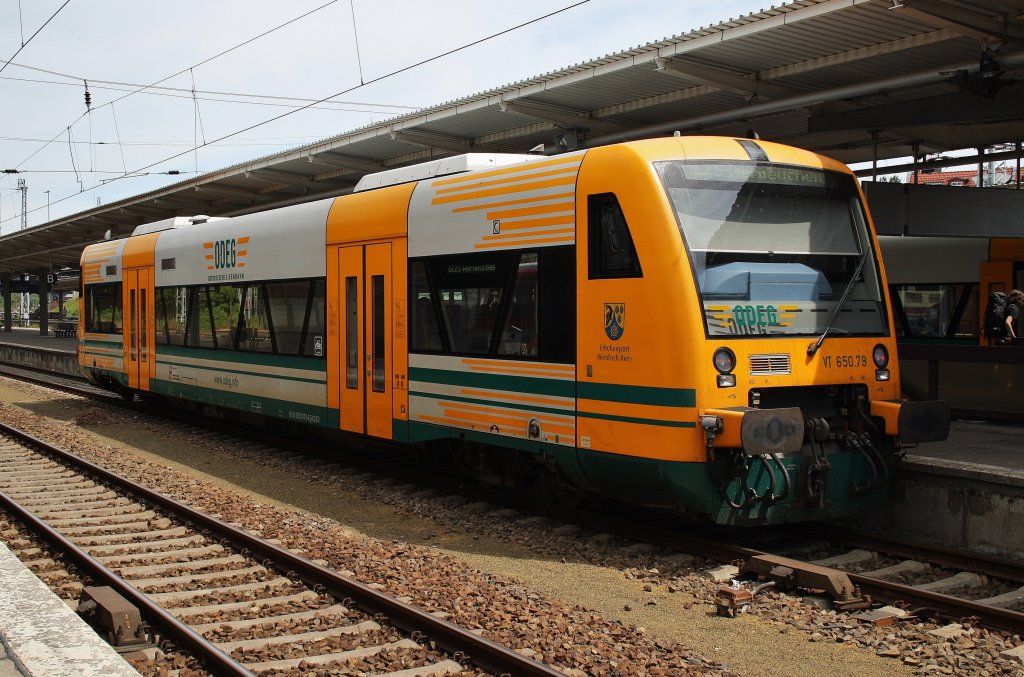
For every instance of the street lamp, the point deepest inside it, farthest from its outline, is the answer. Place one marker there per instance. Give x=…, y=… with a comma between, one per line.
x=47, y=204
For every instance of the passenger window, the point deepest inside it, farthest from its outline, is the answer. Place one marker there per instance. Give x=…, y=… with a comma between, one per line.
x=288, y=313
x=254, y=326
x=103, y=308
x=225, y=307
x=160, y=317
x=171, y=315
x=471, y=289
x=519, y=336
x=200, y=322
x=611, y=251
x=426, y=336
x=316, y=325
x=508, y=304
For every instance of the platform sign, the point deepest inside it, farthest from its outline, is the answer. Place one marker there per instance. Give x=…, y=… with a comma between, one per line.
x=22, y=287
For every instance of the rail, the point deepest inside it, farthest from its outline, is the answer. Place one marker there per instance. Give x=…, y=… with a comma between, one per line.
x=482, y=652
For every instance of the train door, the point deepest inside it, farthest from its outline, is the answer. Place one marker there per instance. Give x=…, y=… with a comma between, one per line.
x=138, y=327
x=366, y=344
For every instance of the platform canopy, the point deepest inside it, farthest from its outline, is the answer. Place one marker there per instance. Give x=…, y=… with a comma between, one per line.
x=853, y=79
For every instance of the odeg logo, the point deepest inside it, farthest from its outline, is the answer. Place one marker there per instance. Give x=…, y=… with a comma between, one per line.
x=225, y=254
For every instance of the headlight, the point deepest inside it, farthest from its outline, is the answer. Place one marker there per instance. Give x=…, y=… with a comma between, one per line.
x=881, y=356
x=724, y=360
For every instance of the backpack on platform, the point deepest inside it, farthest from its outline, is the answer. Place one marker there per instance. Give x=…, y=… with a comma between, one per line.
x=995, y=316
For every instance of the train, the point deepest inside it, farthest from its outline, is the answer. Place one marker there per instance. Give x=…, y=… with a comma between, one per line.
x=940, y=287
x=699, y=325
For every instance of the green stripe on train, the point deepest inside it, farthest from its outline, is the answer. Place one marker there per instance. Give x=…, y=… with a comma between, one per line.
x=266, y=406
x=633, y=419
x=239, y=357
x=220, y=367
x=605, y=392
x=518, y=384
x=567, y=411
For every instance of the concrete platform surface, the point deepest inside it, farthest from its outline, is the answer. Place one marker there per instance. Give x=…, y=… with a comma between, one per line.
x=42, y=636
x=976, y=448
x=24, y=336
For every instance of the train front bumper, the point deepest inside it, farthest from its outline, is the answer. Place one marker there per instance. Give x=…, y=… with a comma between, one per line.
x=914, y=422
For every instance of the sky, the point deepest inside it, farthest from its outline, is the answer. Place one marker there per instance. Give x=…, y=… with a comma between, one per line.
x=218, y=67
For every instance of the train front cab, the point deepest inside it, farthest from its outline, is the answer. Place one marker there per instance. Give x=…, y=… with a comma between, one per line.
x=785, y=435
x=117, y=346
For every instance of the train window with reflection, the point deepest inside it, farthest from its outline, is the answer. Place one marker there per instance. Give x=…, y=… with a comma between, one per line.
x=471, y=289
x=170, y=314
x=200, y=322
x=225, y=307
x=777, y=250
x=103, y=308
x=253, y=330
x=611, y=249
x=508, y=304
x=519, y=330
x=297, y=311
x=426, y=336
x=936, y=311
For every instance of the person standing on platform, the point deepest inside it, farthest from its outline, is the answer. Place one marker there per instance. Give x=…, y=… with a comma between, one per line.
x=1014, y=305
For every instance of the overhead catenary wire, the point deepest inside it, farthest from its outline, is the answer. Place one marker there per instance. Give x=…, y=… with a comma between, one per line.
x=120, y=146
x=355, y=34
x=24, y=42
x=348, y=90
x=375, y=80
x=205, y=61
x=163, y=90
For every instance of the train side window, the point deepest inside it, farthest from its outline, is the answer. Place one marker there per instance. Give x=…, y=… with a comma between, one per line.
x=225, y=310
x=201, y=334
x=472, y=289
x=519, y=334
x=556, y=290
x=297, y=311
x=254, y=325
x=103, y=308
x=171, y=315
x=159, y=318
x=426, y=336
x=935, y=310
x=611, y=251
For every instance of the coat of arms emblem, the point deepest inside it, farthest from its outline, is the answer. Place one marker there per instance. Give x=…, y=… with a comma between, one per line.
x=614, y=320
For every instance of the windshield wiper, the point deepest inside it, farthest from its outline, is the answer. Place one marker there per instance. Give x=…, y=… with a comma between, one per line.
x=813, y=347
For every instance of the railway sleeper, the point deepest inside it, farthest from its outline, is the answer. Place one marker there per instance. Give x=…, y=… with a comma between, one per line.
x=292, y=663
x=224, y=574
x=334, y=611
x=298, y=638
x=190, y=611
x=154, y=569
x=127, y=536
x=179, y=596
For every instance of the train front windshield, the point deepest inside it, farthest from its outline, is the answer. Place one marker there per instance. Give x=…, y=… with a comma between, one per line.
x=774, y=248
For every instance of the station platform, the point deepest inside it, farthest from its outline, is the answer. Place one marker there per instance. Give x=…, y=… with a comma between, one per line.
x=41, y=636
x=26, y=347
x=30, y=336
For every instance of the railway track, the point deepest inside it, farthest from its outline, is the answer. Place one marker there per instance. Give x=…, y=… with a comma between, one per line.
x=962, y=597
x=240, y=604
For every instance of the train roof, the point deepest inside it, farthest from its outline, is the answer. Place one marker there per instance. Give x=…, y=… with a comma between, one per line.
x=468, y=162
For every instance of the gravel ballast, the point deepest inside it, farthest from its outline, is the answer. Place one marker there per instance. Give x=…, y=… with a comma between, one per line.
x=584, y=602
